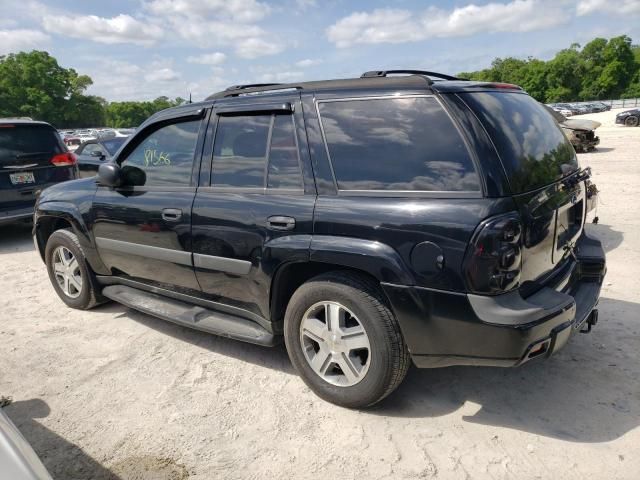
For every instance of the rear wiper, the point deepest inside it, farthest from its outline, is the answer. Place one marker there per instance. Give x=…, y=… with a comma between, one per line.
x=32, y=154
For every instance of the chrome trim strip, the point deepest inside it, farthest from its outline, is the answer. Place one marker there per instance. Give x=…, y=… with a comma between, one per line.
x=157, y=253
x=223, y=264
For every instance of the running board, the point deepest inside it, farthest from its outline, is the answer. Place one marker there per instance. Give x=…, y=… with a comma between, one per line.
x=189, y=315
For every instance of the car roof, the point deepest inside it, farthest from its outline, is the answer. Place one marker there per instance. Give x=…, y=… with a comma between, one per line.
x=22, y=121
x=415, y=81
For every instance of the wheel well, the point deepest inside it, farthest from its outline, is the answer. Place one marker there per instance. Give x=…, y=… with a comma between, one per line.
x=289, y=277
x=45, y=227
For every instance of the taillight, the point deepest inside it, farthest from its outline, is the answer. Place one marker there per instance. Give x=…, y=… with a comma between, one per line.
x=64, y=159
x=493, y=260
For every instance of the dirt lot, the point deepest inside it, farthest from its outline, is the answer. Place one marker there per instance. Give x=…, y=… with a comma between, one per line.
x=112, y=393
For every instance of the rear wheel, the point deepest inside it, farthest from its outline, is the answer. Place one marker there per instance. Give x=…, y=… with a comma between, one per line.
x=632, y=121
x=72, y=279
x=344, y=340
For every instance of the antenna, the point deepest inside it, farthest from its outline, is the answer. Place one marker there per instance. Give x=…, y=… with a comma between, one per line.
x=189, y=98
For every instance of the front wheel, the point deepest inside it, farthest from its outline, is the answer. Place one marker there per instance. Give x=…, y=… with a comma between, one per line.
x=344, y=340
x=632, y=121
x=69, y=272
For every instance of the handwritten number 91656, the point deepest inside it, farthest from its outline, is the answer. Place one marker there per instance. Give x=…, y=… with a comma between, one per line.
x=154, y=158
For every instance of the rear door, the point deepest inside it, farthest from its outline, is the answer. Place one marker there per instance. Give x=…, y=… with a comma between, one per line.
x=541, y=167
x=26, y=154
x=253, y=202
x=142, y=230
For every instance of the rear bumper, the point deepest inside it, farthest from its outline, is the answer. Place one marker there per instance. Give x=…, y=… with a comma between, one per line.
x=14, y=215
x=446, y=328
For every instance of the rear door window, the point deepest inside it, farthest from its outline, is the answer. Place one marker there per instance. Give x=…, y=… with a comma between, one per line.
x=396, y=144
x=20, y=143
x=532, y=147
x=256, y=151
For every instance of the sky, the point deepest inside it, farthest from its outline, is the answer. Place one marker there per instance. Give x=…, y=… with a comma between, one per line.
x=143, y=49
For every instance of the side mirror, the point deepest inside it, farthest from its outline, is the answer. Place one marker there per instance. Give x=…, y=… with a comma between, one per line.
x=109, y=174
x=97, y=153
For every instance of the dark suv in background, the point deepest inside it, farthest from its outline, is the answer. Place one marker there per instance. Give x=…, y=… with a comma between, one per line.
x=369, y=221
x=32, y=157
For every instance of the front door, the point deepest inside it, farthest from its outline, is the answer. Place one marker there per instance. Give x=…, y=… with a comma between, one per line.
x=254, y=210
x=142, y=230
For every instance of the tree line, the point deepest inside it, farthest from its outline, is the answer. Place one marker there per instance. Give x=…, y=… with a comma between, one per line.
x=33, y=84
x=601, y=70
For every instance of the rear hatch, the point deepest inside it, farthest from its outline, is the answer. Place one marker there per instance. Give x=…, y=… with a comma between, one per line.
x=541, y=166
x=26, y=153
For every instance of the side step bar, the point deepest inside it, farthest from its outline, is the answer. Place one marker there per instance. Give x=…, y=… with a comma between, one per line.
x=192, y=316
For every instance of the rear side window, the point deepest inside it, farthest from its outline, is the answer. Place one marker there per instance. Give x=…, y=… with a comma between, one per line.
x=19, y=142
x=256, y=151
x=532, y=147
x=165, y=157
x=396, y=144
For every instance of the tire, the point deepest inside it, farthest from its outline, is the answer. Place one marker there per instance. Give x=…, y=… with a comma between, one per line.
x=631, y=121
x=88, y=295
x=377, y=370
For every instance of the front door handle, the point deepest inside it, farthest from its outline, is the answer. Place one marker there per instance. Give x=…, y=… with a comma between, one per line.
x=279, y=222
x=171, y=214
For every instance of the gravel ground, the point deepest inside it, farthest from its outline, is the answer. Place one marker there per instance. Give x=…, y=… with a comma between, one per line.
x=112, y=393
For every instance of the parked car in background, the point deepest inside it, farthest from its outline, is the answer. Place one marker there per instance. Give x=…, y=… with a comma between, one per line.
x=340, y=228
x=72, y=143
x=94, y=153
x=563, y=110
x=32, y=157
x=580, y=132
x=18, y=461
x=630, y=118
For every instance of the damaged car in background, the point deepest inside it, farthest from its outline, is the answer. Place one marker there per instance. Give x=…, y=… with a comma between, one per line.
x=580, y=132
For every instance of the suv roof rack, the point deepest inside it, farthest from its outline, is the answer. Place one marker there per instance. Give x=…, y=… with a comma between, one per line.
x=251, y=85
x=384, y=73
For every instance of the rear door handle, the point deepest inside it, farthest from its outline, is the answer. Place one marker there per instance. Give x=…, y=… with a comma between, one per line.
x=171, y=214
x=279, y=222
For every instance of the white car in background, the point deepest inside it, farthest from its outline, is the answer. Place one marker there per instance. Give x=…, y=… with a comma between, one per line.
x=18, y=461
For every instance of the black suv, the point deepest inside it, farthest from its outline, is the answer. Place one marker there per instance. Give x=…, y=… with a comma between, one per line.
x=366, y=221
x=32, y=157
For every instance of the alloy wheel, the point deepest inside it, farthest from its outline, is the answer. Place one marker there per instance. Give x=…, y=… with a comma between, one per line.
x=67, y=272
x=335, y=344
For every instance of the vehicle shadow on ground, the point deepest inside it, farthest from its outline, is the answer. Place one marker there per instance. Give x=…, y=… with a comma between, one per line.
x=275, y=358
x=16, y=238
x=63, y=459
x=587, y=393
x=600, y=150
x=610, y=238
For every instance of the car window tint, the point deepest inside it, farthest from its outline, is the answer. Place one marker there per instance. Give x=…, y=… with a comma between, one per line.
x=89, y=148
x=165, y=157
x=24, y=140
x=402, y=144
x=113, y=145
x=240, y=151
x=284, y=164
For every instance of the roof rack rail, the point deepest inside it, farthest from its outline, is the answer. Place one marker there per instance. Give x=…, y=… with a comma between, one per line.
x=251, y=85
x=384, y=73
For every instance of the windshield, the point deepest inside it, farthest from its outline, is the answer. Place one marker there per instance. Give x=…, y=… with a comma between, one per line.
x=113, y=145
x=532, y=147
x=22, y=141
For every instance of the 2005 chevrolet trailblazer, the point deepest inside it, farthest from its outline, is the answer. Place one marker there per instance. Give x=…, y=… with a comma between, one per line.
x=401, y=215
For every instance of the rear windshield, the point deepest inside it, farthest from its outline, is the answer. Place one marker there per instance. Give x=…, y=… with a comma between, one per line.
x=113, y=145
x=23, y=141
x=533, y=149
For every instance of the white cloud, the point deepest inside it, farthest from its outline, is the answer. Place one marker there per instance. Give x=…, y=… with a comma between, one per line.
x=398, y=26
x=257, y=47
x=240, y=10
x=118, y=29
x=280, y=77
x=215, y=58
x=13, y=41
x=622, y=7
x=308, y=62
